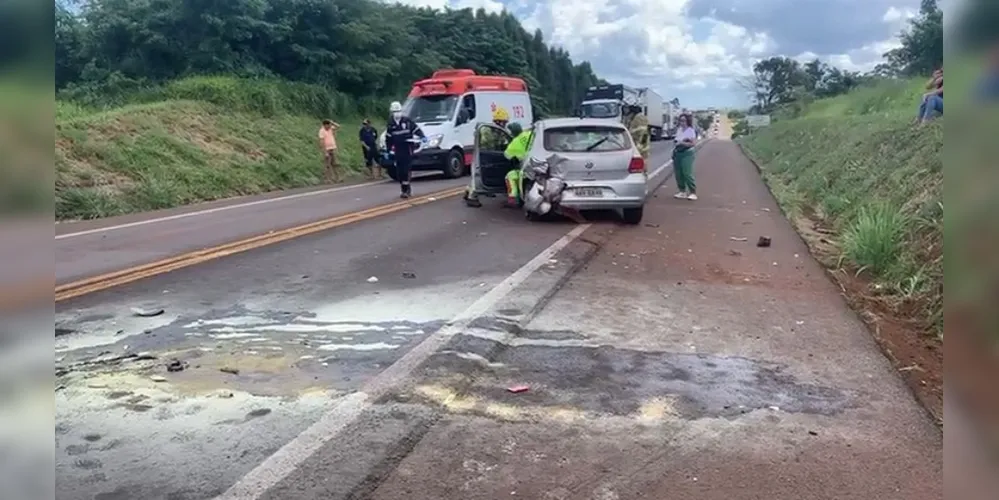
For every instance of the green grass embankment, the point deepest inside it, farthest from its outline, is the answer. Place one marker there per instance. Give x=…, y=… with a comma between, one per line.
x=196, y=140
x=873, y=181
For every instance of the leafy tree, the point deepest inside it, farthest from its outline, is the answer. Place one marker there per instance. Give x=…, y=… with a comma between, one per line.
x=774, y=80
x=362, y=48
x=704, y=120
x=922, y=49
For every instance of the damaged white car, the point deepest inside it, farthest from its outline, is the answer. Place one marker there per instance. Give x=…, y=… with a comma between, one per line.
x=575, y=163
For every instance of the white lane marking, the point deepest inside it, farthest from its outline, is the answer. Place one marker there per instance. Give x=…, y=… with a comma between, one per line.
x=213, y=210
x=283, y=462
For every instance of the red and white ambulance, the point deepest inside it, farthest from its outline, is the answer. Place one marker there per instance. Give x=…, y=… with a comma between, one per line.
x=448, y=106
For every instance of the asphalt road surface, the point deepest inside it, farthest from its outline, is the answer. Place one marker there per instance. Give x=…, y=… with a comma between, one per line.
x=443, y=352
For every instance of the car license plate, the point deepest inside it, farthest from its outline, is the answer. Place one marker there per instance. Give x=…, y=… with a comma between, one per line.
x=589, y=192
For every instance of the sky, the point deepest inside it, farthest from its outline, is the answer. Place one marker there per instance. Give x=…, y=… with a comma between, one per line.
x=699, y=50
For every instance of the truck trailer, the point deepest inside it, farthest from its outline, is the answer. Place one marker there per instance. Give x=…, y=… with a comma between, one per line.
x=671, y=113
x=652, y=106
x=608, y=101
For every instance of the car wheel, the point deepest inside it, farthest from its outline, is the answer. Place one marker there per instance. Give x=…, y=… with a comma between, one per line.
x=633, y=216
x=454, y=166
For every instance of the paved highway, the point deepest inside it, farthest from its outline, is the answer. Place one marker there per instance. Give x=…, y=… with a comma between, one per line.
x=442, y=352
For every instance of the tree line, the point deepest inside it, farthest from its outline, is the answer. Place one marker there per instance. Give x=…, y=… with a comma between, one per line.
x=784, y=83
x=361, y=48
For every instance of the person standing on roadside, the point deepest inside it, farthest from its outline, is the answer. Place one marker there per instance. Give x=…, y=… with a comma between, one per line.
x=400, y=134
x=327, y=145
x=683, y=159
x=369, y=144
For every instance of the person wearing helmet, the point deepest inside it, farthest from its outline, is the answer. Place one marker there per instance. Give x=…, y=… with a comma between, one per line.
x=492, y=142
x=638, y=125
x=516, y=152
x=400, y=134
x=501, y=117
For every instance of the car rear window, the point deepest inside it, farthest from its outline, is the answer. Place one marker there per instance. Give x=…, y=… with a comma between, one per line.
x=582, y=138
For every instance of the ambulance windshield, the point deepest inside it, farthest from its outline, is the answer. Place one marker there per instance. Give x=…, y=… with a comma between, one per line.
x=431, y=108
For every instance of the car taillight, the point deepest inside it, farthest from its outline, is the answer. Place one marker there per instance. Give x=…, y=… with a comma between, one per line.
x=637, y=165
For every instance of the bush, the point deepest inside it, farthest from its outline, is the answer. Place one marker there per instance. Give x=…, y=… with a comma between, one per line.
x=872, y=241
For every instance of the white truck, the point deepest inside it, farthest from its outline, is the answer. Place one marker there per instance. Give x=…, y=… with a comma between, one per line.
x=607, y=101
x=652, y=106
x=671, y=113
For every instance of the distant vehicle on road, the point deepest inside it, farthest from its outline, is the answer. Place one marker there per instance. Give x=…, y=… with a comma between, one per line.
x=608, y=101
x=448, y=106
x=603, y=168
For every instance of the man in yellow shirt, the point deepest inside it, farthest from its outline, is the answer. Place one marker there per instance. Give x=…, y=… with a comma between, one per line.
x=327, y=144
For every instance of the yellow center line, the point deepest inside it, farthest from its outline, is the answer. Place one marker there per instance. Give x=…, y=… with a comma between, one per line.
x=118, y=278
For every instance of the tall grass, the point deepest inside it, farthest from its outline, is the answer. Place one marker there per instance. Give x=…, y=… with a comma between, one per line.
x=859, y=165
x=195, y=140
x=265, y=96
x=873, y=240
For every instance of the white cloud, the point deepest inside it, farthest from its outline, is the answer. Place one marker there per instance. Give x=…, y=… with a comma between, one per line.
x=699, y=49
x=894, y=14
x=861, y=59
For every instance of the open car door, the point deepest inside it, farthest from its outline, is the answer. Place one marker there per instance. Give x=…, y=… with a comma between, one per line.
x=489, y=166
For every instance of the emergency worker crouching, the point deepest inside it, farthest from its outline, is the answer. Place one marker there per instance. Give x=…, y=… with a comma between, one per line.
x=516, y=152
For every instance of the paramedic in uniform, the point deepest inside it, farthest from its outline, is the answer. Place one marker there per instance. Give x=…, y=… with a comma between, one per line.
x=638, y=125
x=399, y=134
x=491, y=142
x=516, y=152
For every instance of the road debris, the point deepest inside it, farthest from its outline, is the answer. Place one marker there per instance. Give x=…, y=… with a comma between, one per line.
x=175, y=365
x=763, y=242
x=147, y=313
x=734, y=253
x=409, y=275
x=158, y=378
x=373, y=279
x=518, y=389
x=226, y=369
x=145, y=355
x=737, y=238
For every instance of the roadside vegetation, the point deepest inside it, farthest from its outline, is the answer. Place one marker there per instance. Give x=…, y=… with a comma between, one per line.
x=207, y=138
x=869, y=189
x=167, y=103
x=859, y=178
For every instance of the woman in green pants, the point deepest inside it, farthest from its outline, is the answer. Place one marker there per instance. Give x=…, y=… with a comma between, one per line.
x=683, y=159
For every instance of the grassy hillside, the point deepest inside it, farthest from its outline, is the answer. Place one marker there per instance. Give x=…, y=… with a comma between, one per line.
x=857, y=170
x=194, y=140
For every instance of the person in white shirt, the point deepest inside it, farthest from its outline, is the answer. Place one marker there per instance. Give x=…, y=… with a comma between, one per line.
x=683, y=159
